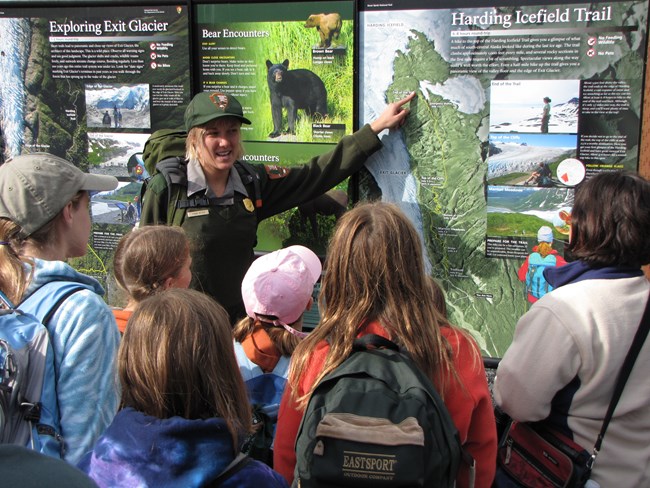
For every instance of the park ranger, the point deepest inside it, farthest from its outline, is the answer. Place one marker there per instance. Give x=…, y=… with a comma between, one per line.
x=219, y=200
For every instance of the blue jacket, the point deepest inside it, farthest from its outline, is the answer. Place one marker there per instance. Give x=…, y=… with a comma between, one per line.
x=138, y=450
x=264, y=389
x=84, y=339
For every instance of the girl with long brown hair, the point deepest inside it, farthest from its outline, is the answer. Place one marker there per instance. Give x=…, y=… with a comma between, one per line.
x=184, y=407
x=375, y=282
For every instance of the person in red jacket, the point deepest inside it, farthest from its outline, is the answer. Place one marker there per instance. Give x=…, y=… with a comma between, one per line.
x=387, y=292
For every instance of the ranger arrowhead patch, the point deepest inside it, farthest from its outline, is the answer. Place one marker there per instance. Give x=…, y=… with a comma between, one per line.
x=275, y=172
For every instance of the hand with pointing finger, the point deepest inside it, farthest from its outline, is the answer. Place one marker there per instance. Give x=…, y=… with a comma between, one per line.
x=393, y=116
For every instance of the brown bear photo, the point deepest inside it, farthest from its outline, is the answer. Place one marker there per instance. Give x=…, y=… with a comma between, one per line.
x=327, y=25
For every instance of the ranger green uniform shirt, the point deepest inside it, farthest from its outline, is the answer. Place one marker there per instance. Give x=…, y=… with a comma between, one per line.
x=223, y=236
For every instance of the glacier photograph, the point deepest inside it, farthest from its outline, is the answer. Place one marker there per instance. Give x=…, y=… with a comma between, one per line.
x=118, y=106
x=513, y=158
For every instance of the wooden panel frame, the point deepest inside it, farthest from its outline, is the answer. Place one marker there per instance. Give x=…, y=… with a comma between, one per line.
x=644, y=150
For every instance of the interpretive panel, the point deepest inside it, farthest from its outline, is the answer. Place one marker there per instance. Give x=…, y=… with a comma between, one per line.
x=90, y=84
x=516, y=105
x=291, y=65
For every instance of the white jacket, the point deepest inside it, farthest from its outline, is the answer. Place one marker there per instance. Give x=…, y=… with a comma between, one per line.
x=573, y=342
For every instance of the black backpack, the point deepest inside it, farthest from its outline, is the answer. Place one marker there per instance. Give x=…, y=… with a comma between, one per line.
x=376, y=420
x=258, y=444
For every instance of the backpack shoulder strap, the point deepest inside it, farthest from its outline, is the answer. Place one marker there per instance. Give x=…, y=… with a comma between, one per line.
x=174, y=171
x=62, y=298
x=47, y=299
x=249, y=176
x=237, y=464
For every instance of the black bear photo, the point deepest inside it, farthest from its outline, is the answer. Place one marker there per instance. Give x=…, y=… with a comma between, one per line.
x=294, y=89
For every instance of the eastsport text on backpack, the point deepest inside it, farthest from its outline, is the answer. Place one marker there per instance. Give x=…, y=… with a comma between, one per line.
x=29, y=412
x=376, y=420
x=536, y=284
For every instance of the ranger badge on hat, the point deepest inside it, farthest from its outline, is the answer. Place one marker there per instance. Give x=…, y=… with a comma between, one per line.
x=220, y=100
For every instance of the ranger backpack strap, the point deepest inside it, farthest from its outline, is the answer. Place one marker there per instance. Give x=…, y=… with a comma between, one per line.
x=248, y=176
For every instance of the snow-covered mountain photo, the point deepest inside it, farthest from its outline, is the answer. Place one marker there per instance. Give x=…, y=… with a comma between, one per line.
x=517, y=105
x=517, y=155
x=118, y=106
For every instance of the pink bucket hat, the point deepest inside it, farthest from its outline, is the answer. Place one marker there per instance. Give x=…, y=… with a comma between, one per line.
x=280, y=284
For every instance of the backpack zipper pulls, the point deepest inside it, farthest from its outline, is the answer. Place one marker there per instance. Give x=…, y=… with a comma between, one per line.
x=31, y=411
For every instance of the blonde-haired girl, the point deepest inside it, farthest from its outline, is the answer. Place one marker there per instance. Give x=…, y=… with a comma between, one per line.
x=147, y=261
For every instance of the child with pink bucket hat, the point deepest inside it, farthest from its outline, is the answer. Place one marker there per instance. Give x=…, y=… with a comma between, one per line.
x=277, y=289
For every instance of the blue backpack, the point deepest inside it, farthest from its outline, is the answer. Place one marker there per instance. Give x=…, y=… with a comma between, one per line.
x=536, y=284
x=29, y=411
x=264, y=393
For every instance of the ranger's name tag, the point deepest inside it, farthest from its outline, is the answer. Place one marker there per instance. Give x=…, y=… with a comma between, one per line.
x=198, y=213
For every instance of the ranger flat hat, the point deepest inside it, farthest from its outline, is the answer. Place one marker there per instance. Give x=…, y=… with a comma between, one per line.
x=208, y=106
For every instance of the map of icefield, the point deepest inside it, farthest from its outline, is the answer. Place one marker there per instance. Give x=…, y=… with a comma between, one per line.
x=435, y=168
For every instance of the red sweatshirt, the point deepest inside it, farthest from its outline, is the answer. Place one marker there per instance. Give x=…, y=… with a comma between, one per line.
x=121, y=318
x=470, y=408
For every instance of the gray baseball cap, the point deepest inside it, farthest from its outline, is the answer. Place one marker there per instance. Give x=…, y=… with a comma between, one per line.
x=35, y=187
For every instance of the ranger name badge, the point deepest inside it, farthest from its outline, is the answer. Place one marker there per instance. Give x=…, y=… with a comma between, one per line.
x=248, y=204
x=198, y=213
